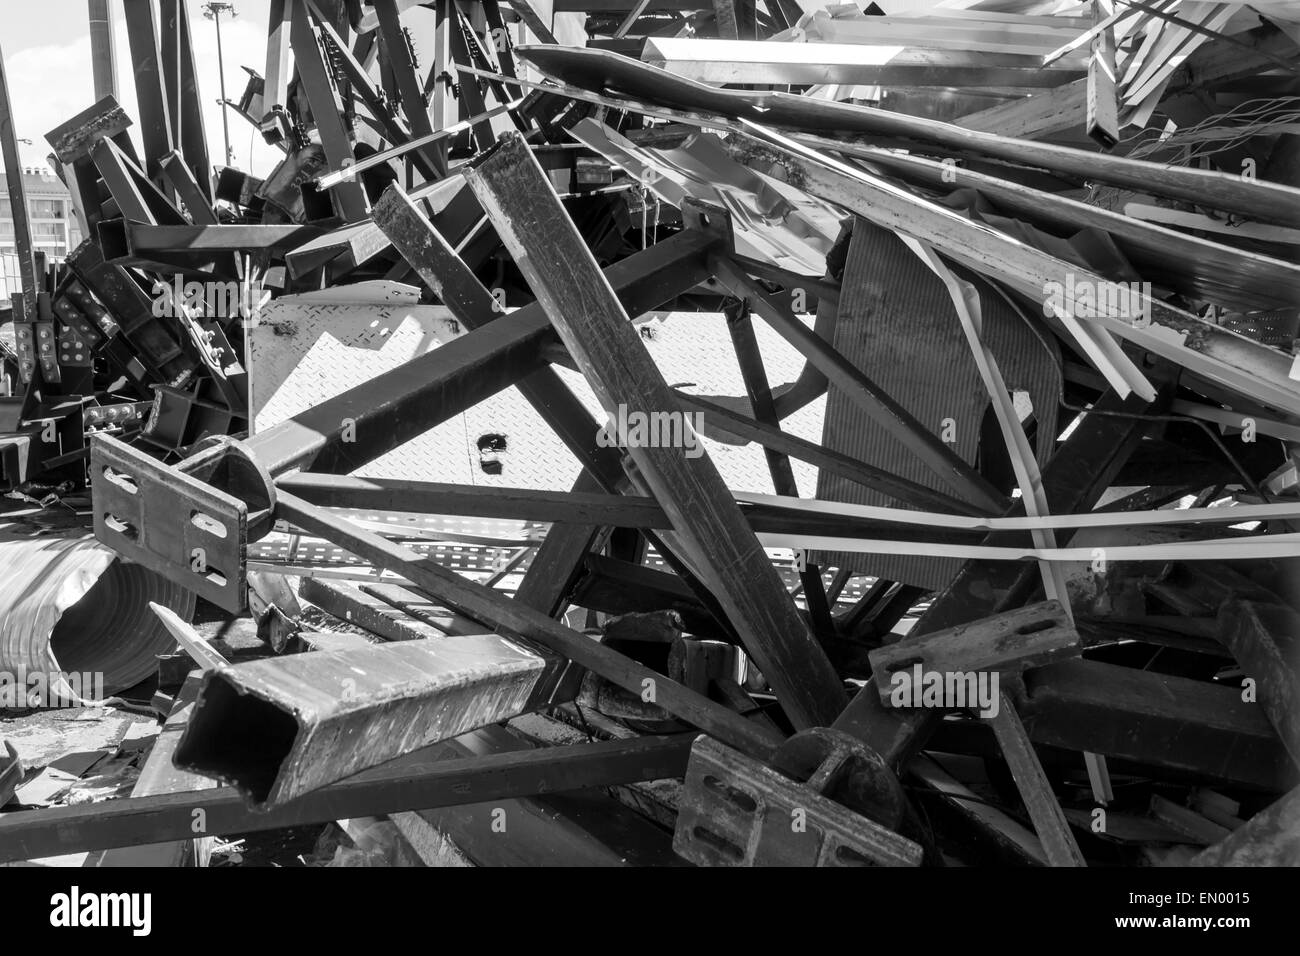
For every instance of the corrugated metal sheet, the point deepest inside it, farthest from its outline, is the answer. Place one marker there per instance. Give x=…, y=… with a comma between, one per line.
x=897, y=325
x=69, y=605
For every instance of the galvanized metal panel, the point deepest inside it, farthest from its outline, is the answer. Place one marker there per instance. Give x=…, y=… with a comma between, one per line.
x=897, y=324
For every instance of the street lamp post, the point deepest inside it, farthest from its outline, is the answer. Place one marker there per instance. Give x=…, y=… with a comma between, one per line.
x=213, y=11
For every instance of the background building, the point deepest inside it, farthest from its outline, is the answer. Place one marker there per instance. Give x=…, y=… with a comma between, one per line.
x=55, y=230
x=49, y=206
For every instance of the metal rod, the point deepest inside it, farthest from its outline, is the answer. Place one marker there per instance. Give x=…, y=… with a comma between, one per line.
x=213, y=12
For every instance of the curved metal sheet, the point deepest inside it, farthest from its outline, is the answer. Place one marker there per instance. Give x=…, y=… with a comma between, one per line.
x=69, y=605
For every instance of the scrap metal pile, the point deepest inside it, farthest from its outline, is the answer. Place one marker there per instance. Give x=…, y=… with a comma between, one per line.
x=979, y=546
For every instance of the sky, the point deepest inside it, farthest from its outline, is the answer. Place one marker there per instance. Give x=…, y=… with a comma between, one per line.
x=46, y=50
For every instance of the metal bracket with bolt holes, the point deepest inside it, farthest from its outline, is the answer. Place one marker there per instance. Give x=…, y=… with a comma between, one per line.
x=170, y=522
x=736, y=811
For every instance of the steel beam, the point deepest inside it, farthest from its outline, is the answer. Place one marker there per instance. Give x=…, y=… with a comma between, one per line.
x=103, y=50
x=593, y=324
x=1073, y=480
x=278, y=728
x=184, y=104
x=158, y=777
x=418, y=781
x=346, y=431
x=1270, y=838
x=945, y=464
x=902, y=490
x=1265, y=640
x=314, y=76
x=150, y=94
x=512, y=618
x=579, y=507
x=551, y=575
x=17, y=199
x=397, y=55
x=1193, y=727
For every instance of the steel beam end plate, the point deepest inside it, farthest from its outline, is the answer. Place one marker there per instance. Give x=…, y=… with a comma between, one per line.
x=170, y=522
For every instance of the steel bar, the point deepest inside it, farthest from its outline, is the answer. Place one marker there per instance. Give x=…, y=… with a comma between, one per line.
x=144, y=238
x=947, y=466
x=397, y=53
x=151, y=97
x=1049, y=822
x=197, y=203
x=588, y=508
x=346, y=431
x=903, y=490
x=17, y=199
x=1263, y=638
x=729, y=61
x=587, y=829
x=1270, y=838
x=1073, y=480
x=510, y=617
x=1176, y=723
x=184, y=109
x=278, y=728
x=314, y=76
x=415, y=782
x=1267, y=202
x=741, y=329
x=593, y=324
x=157, y=777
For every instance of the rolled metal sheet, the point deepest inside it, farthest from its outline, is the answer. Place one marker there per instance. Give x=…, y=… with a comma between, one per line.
x=70, y=606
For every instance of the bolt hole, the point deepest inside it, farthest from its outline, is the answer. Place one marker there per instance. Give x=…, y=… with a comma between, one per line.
x=208, y=524
x=739, y=797
x=124, y=528
x=122, y=480
x=721, y=844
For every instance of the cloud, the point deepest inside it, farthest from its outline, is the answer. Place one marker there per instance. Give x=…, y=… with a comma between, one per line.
x=51, y=82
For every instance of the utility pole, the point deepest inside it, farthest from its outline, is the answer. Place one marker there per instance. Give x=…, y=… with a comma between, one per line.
x=213, y=11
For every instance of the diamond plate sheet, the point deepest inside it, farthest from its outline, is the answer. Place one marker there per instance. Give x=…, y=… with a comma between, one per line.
x=306, y=349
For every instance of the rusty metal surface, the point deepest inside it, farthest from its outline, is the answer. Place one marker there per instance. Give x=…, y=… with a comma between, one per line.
x=736, y=811
x=278, y=728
